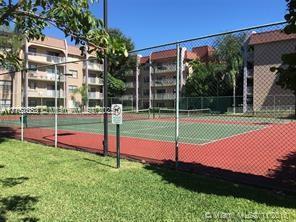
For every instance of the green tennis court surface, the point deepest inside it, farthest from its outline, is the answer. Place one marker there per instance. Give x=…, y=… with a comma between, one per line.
x=194, y=129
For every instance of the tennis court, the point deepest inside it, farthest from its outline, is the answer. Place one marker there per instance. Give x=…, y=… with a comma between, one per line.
x=196, y=126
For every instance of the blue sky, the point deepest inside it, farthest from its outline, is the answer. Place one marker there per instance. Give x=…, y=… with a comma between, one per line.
x=152, y=22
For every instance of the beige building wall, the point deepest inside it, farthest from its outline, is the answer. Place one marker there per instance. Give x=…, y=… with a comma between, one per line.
x=266, y=94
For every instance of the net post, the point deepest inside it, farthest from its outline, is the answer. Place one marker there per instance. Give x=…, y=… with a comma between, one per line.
x=22, y=127
x=105, y=74
x=56, y=107
x=117, y=146
x=177, y=106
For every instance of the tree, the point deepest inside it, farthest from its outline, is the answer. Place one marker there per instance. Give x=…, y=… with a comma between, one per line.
x=83, y=92
x=73, y=17
x=116, y=86
x=119, y=65
x=286, y=73
x=229, y=51
x=10, y=44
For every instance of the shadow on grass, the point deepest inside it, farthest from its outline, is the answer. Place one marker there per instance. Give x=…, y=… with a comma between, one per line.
x=1, y=166
x=8, y=132
x=20, y=204
x=210, y=185
x=11, y=182
x=100, y=163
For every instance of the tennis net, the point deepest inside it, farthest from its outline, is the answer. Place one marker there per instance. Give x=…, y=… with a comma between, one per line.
x=166, y=113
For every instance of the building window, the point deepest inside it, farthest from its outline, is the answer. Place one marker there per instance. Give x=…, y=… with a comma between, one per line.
x=33, y=85
x=5, y=86
x=73, y=73
x=50, y=70
x=33, y=67
x=5, y=103
x=72, y=88
x=160, y=91
x=32, y=51
x=146, y=92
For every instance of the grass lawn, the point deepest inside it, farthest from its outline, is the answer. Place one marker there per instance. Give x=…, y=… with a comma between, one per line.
x=39, y=183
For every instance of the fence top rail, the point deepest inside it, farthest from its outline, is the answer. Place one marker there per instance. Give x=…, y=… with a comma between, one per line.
x=209, y=36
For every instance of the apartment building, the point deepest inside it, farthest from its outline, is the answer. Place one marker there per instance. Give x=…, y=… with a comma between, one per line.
x=37, y=86
x=265, y=51
x=153, y=82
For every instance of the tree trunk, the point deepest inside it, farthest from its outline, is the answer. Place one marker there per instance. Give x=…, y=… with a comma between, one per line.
x=234, y=95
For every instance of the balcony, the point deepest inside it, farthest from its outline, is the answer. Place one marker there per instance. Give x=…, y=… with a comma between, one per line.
x=163, y=96
x=164, y=82
x=166, y=68
x=250, y=73
x=43, y=58
x=127, y=97
x=250, y=90
x=95, y=66
x=94, y=81
x=45, y=76
x=129, y=85
x=44, y=93
x=95, y=95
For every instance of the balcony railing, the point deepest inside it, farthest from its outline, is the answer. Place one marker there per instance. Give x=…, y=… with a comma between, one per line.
x=164, y=96
x=45, y=58
x=45, y=76
x=127, y=97
x=166, y=68
x=164, y=82
x=250, y=73
x=95, y=95
x=95, y=66
x=95, y=80
x=44, y=93
x=250, y=90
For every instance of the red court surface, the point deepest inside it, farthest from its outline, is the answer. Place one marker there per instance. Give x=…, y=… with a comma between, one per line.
x=258, y=152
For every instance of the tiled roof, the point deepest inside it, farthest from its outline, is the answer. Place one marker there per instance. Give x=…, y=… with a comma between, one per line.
x=165, y=54
x=51, y=42
x=203, y=52
x=74, y=50
x=271, y=36
x=144, y=59
x=190, y=55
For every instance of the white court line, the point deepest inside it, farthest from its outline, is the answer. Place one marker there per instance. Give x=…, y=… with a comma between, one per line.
x=239, y=134
x=198, y=139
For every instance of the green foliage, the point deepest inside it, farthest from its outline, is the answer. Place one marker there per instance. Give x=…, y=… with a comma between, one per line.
x=205, y=80
x=10, y=44
x=286, y=73
x=66, y=185
x=118, y=65
x=73, y=17
x=197, y=83
x=229, y=51
x=83, y=92
x=116, y=87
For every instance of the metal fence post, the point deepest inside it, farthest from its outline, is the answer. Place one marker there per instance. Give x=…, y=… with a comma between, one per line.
x=56, y=107
x=22, y=127
x=177, y=106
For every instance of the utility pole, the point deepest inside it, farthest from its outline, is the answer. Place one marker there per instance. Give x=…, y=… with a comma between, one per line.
x=105, y=143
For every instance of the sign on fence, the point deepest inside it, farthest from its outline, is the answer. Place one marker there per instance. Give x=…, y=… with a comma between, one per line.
x=116, y=113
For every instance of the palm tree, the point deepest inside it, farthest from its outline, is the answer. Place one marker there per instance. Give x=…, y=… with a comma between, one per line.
x=83, y=92
x=229, y=51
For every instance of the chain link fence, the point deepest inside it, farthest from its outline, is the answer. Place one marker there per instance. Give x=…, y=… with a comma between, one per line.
x=209, y=105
